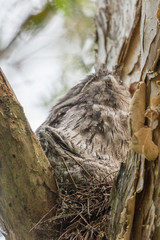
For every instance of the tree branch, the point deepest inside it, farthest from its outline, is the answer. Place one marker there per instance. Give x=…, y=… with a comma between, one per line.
x=27, y=187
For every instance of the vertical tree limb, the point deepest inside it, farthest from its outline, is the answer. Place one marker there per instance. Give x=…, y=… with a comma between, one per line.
x=135, y=196
x=27, y=187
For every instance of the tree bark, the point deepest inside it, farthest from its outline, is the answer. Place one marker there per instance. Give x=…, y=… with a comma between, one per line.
x=27, y=187
x=128, y=35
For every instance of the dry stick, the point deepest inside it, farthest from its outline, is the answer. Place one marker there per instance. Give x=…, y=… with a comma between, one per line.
x=59, y=217
x=75, y=217
x=98, y=211
x=84, y=220
x=75, y=237
x=88, y=210
x=78, y=214
x=79, y=164
x=41, y=219
x=63, y=234
x=57, y=185
x=111, y=174
x=79, y=235
x=69, y=172
x=70, y=227
x=86, y=237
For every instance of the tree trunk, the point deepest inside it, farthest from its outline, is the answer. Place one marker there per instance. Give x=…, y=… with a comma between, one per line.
x=27, y=188
x=128, y=36
x=127, y=39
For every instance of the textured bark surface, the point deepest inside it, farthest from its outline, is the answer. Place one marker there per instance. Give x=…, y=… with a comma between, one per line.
x=26, y=180
x=118, y=43
x=135, y=47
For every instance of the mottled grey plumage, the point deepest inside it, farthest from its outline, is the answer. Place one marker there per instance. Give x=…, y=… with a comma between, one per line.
x=86, y=134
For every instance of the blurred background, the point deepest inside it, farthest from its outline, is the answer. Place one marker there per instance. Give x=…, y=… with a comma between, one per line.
x=46, y=47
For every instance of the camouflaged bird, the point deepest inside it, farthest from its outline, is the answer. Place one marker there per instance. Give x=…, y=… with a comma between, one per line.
x=86, y=134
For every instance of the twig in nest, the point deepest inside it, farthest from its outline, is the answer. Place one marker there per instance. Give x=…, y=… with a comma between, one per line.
x=80, y=213
x=78, y=164
x=41, y=219
x=88, y=210
x=69, y=172
x=111, y=173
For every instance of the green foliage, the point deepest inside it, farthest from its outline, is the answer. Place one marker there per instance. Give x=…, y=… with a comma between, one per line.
x=76, y=57
x=37, y=20
x=66, y=6
x=72, y=9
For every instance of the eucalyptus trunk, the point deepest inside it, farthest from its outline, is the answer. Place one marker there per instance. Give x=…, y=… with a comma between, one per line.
x=128, y=37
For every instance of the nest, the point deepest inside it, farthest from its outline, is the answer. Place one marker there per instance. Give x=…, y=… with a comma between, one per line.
x=80, y=213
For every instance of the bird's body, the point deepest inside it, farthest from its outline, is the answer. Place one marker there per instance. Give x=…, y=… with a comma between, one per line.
x=86, y=133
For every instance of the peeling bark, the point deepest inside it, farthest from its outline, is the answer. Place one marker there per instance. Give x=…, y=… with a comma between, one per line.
x=135, y=198
x=116, y=22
